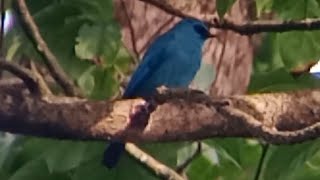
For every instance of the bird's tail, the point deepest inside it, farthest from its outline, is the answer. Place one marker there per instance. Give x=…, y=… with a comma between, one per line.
x=113, y=153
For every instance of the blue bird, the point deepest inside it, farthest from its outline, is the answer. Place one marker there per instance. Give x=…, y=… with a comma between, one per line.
x=172, y=60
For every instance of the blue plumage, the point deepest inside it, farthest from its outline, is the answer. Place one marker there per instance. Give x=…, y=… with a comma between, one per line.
x=172, y=60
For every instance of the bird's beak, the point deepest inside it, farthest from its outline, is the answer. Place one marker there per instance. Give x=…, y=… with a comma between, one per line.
x=212, y=35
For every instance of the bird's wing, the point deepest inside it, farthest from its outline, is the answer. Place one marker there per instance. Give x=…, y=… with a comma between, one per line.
x=153, y=58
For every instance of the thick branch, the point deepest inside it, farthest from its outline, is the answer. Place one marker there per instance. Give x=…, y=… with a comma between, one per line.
x=24, y=74
x=246, y=28
x=255, y=27
x=50, y=59
x=178, y=115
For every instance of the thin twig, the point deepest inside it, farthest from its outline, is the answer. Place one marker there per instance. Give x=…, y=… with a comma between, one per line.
x=132, y=35
x=44, y=88
x=186, y=163
x=167, y=8
x=249, y=28
x=156, y=34
x=24, y=74
x=265, y=148
x=246, y=28
x=50, y=59
x=158, y=168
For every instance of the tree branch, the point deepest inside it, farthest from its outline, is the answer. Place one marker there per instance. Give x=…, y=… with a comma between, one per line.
x=24, y=74
x=132, y=34
x=159, y=168
x=178, y=115
x=50, y=59
x=44, y=88
x=246, y=28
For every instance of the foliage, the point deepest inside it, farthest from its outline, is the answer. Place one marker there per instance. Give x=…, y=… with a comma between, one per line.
x=86, y=40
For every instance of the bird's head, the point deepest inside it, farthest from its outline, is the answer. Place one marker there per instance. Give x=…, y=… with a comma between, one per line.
x=196, y=27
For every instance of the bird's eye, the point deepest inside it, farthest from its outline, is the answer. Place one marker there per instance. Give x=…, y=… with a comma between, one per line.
x=201, y=30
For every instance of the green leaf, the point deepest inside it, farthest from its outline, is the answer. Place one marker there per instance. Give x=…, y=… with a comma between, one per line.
x=309, y=48
x=105, y=83
x=301, y=9
x=165, y=152
x=36, y=170
x=94, y=10
x=234, y=161
x=308, y=80
x=263, y=6
x=86, y=81
x=226, y=151
x=98, y=41
x=226, y=159
x=266, y=82
x=280, y=80
x=201, y=168
x=65, y=155
x=136, y=170
x=268, y=57
x=92, y=170
x=223, y=6
x=283, y=161
x=33, y=148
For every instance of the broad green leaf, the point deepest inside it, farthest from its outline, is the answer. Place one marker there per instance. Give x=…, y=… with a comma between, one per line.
x=165, y=152
x=127, y=168
x=65, y=155
x=309, y=80
x=300, y=9
x=86, y=81
x=233, y=159
x=201, y=168
x=4, y=175
x=268, y=57
x=264, y=82
x=223, y=6
x=309, y=170
x=282, y=161
x=226, y=151
x=36, y=170
x=122, y=60
x=98, y=41
x=307, y=44
x=226, y=159
x=281, y=80
x=263, y=6
x=33, y=148
x=94, y=10
x=287, y=50
x=104, y=83
x=93, y=170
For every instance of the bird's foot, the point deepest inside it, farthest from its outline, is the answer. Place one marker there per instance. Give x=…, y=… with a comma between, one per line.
x=140, y=114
